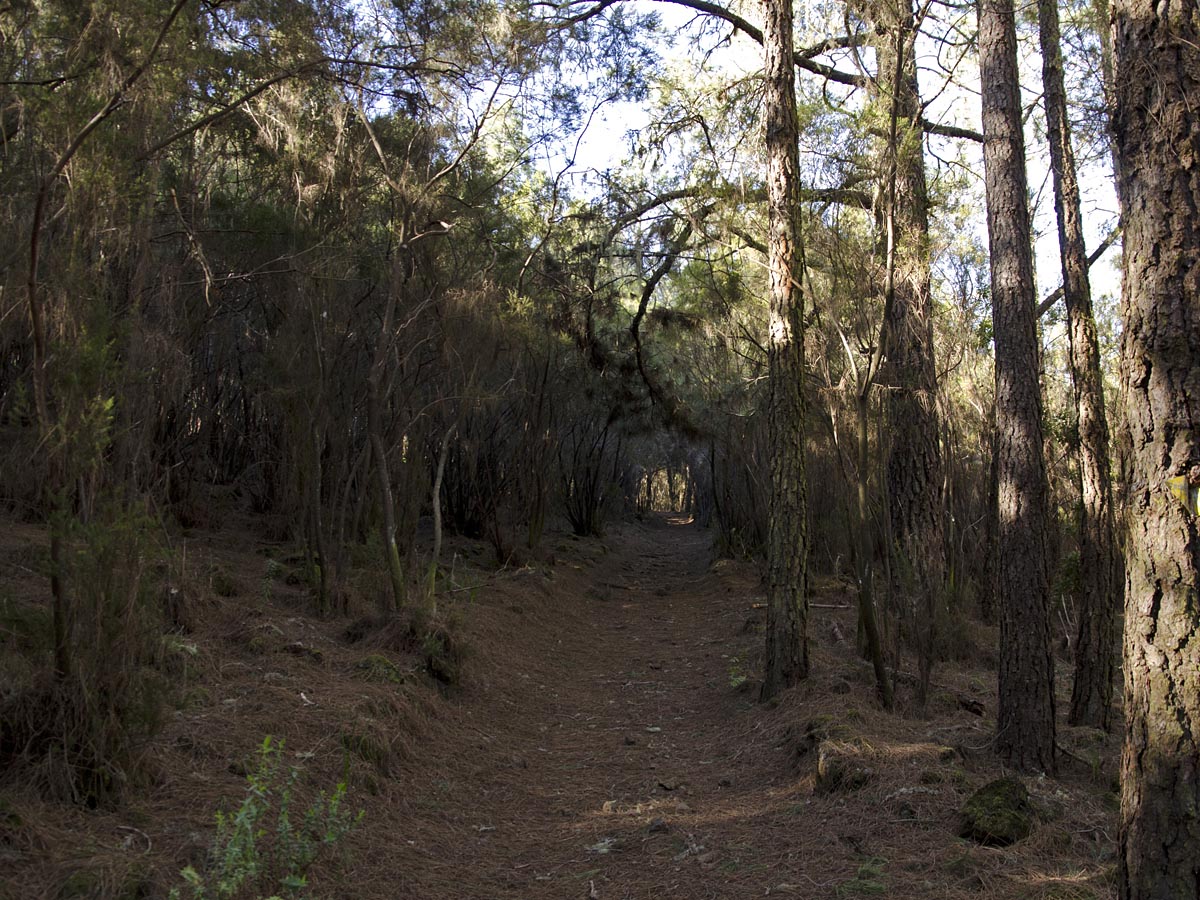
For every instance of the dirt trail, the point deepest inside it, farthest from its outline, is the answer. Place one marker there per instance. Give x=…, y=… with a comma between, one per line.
x=605, y=745
x=618, y=766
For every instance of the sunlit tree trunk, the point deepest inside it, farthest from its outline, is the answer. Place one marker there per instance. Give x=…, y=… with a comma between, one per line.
x=1025, y=715
x=1157, y=132
x=787, y=543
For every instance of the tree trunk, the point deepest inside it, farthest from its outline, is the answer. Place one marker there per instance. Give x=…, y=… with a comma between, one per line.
x=324, y=561
x=1157, y=131
x=1025, y=713
x=914, y=461
x=787, y=542
x=1091, y=696
x=435, y=501
x=866, y=577
x=375, y=437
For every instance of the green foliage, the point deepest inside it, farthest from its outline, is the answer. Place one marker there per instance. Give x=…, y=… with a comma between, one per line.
x=1068, y=580
x=378, y=668
x=82, y=730
x=262, y=848
x=737, y=673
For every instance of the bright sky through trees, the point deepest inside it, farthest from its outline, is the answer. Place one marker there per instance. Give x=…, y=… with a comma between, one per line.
x=696, y=50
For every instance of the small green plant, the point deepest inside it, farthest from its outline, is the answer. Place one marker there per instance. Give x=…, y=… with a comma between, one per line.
x=737, y=674
x=868, y=881
x=250, y=856
x=223, y=584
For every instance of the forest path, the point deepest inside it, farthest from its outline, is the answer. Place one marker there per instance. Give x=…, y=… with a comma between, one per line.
x=609, y=754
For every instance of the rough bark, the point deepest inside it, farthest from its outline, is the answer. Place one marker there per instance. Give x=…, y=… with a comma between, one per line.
x=1025, y=713
x=1157, y=131
x=787, y=543
x=914, y=460
x=866, y=593
x=1091, y=695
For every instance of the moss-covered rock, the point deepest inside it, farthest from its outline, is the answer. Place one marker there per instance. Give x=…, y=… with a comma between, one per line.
x=998, y=814
x=444, y=652
x=841, y=767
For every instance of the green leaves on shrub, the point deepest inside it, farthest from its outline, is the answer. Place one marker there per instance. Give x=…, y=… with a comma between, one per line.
x=261, y=848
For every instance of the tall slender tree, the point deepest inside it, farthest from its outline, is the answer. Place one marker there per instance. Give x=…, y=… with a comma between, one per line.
x=1157, y=133
x=1025, y=715
x=787, y=543
x=1091, y=695
x=914, y=460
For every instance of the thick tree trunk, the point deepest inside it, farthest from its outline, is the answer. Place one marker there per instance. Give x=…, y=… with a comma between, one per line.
x=1025, y=714
x=1091, y=696
x=914, y=460
x=787, y=543
x=1157, y=131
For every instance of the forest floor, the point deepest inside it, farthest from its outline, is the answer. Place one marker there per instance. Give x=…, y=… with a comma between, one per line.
x=605, y=743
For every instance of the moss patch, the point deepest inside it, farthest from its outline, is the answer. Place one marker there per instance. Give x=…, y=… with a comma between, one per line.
x=378, y=668
x=998, y=814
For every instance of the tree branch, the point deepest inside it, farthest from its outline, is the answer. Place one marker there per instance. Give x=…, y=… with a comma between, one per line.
x=952, y=131
x=230, y=107
x=39, y=211
x=755, y=34
x=1045, y=305
x=674, y=249
x=803, y=60
x=842, y=42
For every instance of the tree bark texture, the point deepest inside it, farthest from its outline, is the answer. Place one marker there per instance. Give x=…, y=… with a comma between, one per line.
x=787, y=543
x=1091, y=695
x=866, y=593
x=1025, y=712
x=1157, y=131
x=914, y=460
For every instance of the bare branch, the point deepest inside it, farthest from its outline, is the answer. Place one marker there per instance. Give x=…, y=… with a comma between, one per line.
x=1054, y=297
x=952, y=131
x=755, y=34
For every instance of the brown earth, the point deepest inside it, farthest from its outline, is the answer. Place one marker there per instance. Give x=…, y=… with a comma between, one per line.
x=605, y=743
